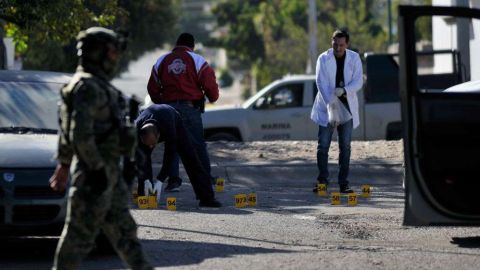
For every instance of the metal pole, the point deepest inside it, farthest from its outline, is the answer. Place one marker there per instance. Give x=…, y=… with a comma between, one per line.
x=312, y=33
x=463, y=39
x=390, y=33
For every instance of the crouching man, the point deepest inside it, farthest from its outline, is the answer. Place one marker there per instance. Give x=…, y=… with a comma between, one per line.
x=162, y=123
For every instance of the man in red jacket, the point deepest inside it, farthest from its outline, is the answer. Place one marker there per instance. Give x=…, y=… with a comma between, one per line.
x=182, y=79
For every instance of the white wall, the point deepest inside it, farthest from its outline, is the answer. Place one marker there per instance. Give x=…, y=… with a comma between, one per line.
x=475, y=44
x=444, y=36
x=10, y=48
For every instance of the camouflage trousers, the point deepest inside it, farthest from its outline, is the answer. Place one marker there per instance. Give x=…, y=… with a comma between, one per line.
x=88, y=213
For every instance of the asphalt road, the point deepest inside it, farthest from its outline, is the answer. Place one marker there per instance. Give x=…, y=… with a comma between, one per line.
x=290, y=228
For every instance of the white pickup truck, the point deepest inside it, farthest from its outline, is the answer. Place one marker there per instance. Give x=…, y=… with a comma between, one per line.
x=281, y=110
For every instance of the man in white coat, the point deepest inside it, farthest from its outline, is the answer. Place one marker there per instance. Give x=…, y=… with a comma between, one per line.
x=339, y=75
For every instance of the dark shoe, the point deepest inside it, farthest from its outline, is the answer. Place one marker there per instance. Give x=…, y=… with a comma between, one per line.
x=210, y=203
x=173, y=185
x=315, y=189
x=345, y=189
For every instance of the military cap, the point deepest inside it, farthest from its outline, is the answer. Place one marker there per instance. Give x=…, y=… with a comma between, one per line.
x=93, y=39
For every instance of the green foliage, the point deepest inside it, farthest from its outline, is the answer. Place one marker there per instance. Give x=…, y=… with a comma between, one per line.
x=150, y=24
x=243, y=42
x=44, y=31
x=58, y=20
x=225, y=79
x=270, y=37
x=19, y=39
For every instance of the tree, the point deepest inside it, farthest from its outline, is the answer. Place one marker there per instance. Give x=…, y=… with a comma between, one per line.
x=270, y=36
x=150, y=24
x=242, y=39
x=44, y=31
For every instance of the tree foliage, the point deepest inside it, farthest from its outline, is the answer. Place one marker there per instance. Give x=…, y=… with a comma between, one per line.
x=271, y=36
x=44, y=31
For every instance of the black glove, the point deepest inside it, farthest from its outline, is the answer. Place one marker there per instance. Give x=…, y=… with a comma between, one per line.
x=96, y=180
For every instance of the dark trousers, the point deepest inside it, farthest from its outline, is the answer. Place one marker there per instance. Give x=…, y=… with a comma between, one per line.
x=192, y=120
x=183, y=145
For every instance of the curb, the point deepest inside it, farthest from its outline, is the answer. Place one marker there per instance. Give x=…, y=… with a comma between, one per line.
x=295, y=164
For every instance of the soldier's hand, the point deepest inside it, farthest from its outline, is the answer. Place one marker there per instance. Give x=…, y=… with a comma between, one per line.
x=59, y=179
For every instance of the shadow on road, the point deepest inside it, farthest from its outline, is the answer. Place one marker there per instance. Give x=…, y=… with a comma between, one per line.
x=213, y=234
x=37, y=249
x=38, y=252
x=167, y=253
x=466, y=242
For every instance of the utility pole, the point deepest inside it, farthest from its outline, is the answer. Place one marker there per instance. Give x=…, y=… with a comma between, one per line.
x=390, y=33
x=312, y=34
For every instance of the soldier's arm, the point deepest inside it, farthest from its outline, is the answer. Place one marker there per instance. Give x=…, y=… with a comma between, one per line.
x=85, y=106
x=64, y=153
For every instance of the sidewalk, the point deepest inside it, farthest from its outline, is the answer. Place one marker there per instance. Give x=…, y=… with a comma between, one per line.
x=295, y=173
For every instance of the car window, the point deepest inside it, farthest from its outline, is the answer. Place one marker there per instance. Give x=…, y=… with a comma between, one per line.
x=29, y=104
x=285, y=96
x=382, y=79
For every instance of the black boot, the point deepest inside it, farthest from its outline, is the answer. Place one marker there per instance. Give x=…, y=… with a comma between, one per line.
x=210, y=203
x=315, y=189
x=345, y=189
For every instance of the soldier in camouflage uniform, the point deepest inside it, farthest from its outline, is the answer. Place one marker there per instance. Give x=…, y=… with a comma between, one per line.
x=93, y=139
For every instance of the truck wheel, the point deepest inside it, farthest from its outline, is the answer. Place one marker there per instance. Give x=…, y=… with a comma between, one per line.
x=394, y=131
x=223, y=136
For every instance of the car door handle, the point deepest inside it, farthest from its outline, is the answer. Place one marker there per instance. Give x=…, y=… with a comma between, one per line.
x=297, y=114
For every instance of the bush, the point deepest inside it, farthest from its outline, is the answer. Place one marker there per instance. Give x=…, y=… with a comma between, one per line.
x=225, y=79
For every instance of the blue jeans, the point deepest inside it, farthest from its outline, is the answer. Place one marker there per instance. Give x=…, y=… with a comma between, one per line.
x=192, y=120
x=324, y=139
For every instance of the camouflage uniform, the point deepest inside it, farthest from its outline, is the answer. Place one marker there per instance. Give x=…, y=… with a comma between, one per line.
x=93, y=143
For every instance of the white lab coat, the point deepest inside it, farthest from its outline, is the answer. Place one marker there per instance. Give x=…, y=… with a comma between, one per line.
x=325, y=72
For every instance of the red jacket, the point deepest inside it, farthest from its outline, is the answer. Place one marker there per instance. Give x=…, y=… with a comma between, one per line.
x=182, y=75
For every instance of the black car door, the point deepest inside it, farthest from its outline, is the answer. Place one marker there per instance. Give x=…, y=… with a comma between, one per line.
x=441, y=128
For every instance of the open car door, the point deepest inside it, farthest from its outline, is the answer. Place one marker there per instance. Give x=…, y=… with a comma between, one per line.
x=441, y=128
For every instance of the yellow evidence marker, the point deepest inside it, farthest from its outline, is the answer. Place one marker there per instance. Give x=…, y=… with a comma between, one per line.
x=143, y=202
x=252, y=199
x=322, y=190
x=172, y=203
x=240, y=200
x=352, y=199
x=152, y=201
x=366, y=191
x=335, y=197
x=220, y=184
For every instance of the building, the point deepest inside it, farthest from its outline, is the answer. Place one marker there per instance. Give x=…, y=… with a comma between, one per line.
x=458, y=34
